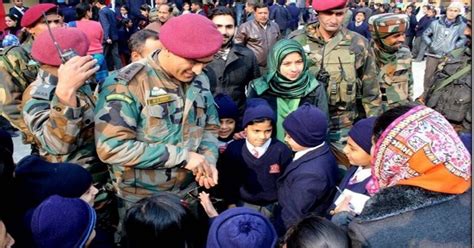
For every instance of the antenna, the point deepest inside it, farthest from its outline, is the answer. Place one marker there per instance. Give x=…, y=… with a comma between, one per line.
x=60, y=51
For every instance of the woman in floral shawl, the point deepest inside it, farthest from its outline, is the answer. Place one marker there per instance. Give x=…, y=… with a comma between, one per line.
x=421, y=179
x=288, y=84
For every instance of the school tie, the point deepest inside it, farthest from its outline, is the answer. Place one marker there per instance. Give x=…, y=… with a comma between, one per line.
x=255, y=153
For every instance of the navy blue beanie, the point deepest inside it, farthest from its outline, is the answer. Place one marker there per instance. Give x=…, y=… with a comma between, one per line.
x=226, y=107
x=241, y=227
x=307, y=125
x=361, y=133
x=257, y=108
x=62, y=222
x=38, y=179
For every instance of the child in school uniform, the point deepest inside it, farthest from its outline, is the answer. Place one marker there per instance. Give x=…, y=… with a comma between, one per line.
x=228, y=116
x=308, y=183
x=251, y=166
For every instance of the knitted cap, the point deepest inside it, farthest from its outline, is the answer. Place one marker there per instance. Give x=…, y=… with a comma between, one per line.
x=257, y=108
x=45, y=52
x=241, y=227
x=226, y=107
x=307, y=125
x=387, y=24
x=62, y=222
x=325, y=5
x=38, y=179
x=362, y=132
x=35, y=13
x=191, y=36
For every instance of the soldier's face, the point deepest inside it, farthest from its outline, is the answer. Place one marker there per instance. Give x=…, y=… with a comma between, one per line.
x=291, y=66
x=261, y=15
x=452, y=13
x=225, y=25
x=395, y=40
x=227, y=127
x=331, y=21
x=182, y=69
x=54, y=21
x=259, y=133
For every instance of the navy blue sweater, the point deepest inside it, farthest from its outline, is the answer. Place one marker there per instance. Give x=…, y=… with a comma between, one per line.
x=423, y=24
x=252, y=180
x=363, y=29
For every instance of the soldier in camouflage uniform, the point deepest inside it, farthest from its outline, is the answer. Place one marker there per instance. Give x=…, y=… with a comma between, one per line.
x=393, y=59
x=58, y=109
x=18, y=69
x=156, y=121
x=342, y=61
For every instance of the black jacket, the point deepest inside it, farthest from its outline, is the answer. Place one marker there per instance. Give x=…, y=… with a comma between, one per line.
x=240, y=68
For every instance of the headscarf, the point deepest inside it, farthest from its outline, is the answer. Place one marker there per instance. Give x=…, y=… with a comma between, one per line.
x=421, y=148
x=279, y=85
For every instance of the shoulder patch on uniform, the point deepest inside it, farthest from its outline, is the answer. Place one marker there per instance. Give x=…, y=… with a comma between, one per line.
x=126, y=74
x=44, y=92
x=119, y=97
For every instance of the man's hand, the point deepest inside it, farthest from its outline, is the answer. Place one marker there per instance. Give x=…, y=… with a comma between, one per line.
x=72, y=75
x=206, y=175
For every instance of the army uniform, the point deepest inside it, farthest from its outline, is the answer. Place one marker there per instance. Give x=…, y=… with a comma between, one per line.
x=352, y=88
x=146, y=122
x=17, y=71
x=393, y=64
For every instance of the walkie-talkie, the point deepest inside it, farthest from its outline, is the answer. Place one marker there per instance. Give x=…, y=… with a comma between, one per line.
x=64, y=55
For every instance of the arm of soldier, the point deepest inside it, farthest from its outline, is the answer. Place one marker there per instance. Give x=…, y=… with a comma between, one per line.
x=55, y=125
x=208, y=146
x=241, y=35
x=10, y=100
x=367, y=73
x=411, y=86
x=116, y=119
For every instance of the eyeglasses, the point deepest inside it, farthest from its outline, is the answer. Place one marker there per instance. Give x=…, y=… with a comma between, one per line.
x=56, y=21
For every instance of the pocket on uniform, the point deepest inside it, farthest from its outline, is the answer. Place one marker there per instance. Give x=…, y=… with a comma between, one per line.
x=396, y=89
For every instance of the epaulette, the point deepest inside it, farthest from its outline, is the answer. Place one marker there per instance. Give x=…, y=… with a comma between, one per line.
x=44, y=92
x=295, y=33
x=127, y=73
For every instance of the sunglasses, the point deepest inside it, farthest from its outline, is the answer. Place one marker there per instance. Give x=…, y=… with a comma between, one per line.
x=56, y=21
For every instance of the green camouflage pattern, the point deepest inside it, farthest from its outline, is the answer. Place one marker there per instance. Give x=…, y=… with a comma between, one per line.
x=146, y=124
x=383, y=25
x=396, y=79
x=17, y=71
x=353, y=91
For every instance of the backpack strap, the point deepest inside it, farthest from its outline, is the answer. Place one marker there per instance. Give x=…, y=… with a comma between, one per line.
x=452, y=78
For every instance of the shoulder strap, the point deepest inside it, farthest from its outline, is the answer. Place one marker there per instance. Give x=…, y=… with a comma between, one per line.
x=453, y=77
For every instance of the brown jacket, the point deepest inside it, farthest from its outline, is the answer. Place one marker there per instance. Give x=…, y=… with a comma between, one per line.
x=260, y=40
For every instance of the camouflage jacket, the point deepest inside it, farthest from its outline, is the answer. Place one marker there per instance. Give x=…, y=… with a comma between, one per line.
x=146, y=124
x=17, y=71
x=350, y=63
x=395, y=78
x=62, y=133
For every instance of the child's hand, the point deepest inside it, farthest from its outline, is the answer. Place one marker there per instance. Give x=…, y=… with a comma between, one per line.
x=207, y=205
x=345, y=205
x=240, y=135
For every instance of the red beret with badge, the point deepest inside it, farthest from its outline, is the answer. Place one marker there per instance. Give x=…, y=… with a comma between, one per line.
x=191, y=36
x=44, y=51
x=35, y=13
x=326, y=5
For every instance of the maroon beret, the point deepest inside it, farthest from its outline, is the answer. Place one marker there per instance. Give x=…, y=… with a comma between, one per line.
x=325, y=5
x=191, y=36
x=44, y=51
x=33, y=14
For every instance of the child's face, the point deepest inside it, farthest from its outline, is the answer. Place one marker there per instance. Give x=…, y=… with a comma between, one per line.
x=360, y=17
x=227, y=127
x=259, y=133
x=292, y=144
x=186, y=6
x=123, y=11
x=355, y=154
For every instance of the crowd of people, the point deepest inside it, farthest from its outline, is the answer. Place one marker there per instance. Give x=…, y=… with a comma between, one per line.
x=235, y=124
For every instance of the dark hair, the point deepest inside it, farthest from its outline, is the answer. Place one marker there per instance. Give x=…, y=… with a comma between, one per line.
x=198, y=2
x=170, y=7
x=251, y=3
x=125, y=21
x=13, y=17
x=314, y=231
x=101, y=2
x=260, y=6
x=388, y=117
x=81, y=10
x=221, y=11
x=138, y=39
x=259, y=120
x=145, y=7
x=160, y=219
x=125, y=7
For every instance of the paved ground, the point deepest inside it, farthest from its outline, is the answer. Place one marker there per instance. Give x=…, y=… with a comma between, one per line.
x=22, y=150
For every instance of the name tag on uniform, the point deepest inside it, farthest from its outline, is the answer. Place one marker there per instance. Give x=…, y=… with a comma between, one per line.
x=159, y=99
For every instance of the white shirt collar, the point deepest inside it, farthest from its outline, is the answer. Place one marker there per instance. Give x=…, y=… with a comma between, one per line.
x=303, y=152
x=261, y=150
